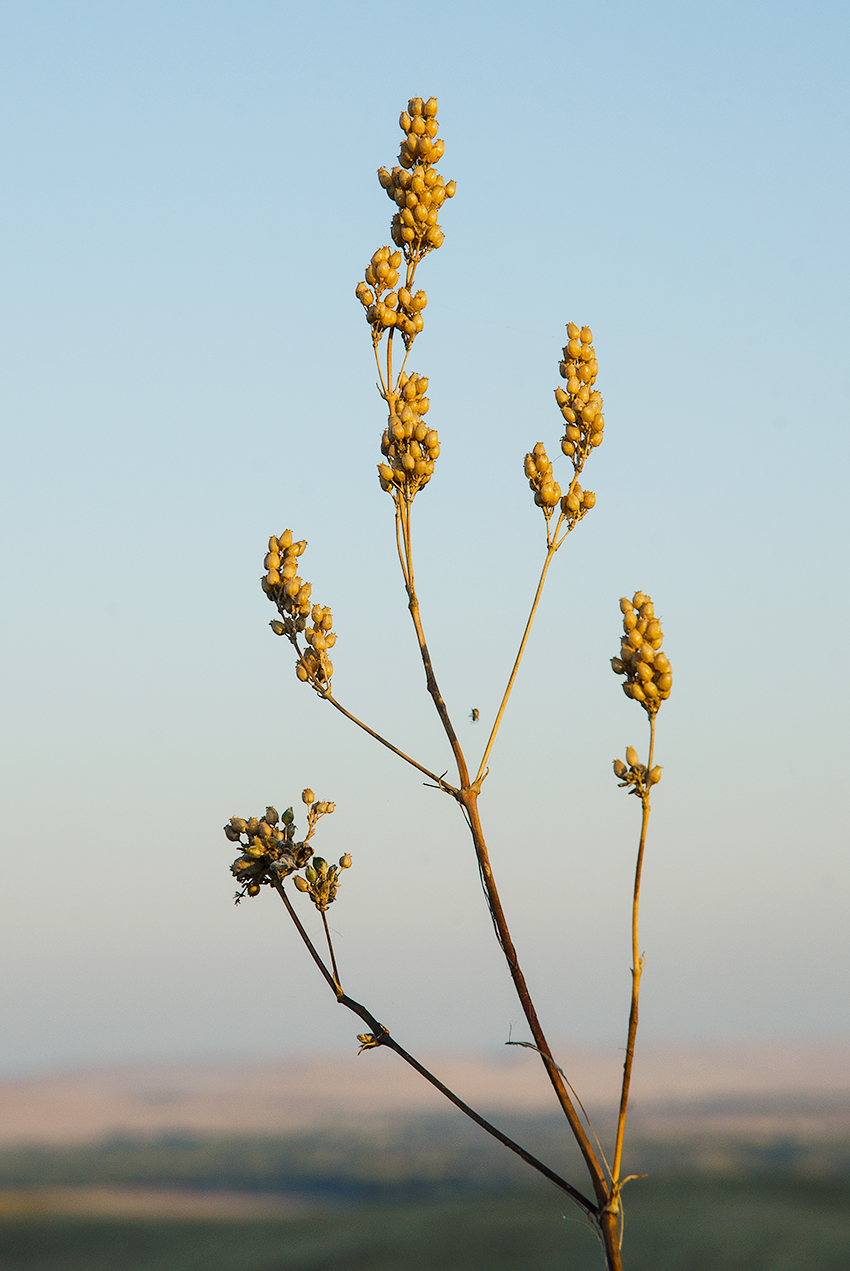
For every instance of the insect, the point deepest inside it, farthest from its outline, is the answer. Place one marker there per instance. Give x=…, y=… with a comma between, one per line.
x=473, y=714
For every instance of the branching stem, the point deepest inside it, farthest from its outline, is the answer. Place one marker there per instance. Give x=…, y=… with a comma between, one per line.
x=383, y=1038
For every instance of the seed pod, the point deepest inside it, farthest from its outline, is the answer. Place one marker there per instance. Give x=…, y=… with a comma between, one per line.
x=345, y=861
x=620, y=768
x=654, y=776
x=632, y=757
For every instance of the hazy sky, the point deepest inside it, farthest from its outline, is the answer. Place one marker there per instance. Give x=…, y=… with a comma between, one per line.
x=190, y=201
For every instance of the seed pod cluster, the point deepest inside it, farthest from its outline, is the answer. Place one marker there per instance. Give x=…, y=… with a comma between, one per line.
x=410, y=446
x=634, y=774
x=269, y=852
x=541, y=478
x=385, y=307
x=320, y=881
x=646, y=668
x=580, y=402
x=576, y=503
x=291, y=596
x=416, y=187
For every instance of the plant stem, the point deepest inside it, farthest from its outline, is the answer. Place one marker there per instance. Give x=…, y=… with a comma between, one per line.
x=383, y=1038
x=331, y=950
x=549, y=554
x=443, y=785
x=470, y=800
x=637, y=968
x=430, y=677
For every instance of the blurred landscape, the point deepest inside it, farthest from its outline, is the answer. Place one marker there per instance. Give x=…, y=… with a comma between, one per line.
x=344, y=1163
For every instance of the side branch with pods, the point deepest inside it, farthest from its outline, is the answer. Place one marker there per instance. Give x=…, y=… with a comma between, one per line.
x=410, y=448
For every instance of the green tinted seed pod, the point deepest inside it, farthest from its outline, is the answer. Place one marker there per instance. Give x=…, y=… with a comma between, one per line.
x=620, y=768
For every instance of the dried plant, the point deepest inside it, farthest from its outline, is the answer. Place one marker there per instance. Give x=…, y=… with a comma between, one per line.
x=410, y=447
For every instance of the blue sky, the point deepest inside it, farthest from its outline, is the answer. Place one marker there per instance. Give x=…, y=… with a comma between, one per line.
x=191, y=199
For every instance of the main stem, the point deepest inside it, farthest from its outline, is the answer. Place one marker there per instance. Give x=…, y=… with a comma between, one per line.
x=637, y=968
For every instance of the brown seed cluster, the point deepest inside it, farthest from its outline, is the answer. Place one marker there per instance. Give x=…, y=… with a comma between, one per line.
x=268, y=847
x=321, y=881
x=547, y=493
x=409, y=445
x=419, y=191
x=641, y=661
x=580, y=403
x=269, y=852
x=634, y=774
x=291, y=596
x=385, y=307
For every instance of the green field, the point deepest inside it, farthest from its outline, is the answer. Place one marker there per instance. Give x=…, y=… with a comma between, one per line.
x=692, y=1224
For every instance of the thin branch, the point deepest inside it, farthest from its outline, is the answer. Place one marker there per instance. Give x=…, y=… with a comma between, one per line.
x=444, y=785
x=549, y=554
x=637, y=967
x=311, y=948
x=331, y=950
x=383, y=388
x=399, y=548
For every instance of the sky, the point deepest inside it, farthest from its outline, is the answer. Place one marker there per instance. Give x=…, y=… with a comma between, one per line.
x=190, y=200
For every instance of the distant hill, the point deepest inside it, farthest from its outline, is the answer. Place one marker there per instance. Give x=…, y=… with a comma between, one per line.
x=748, y=1089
